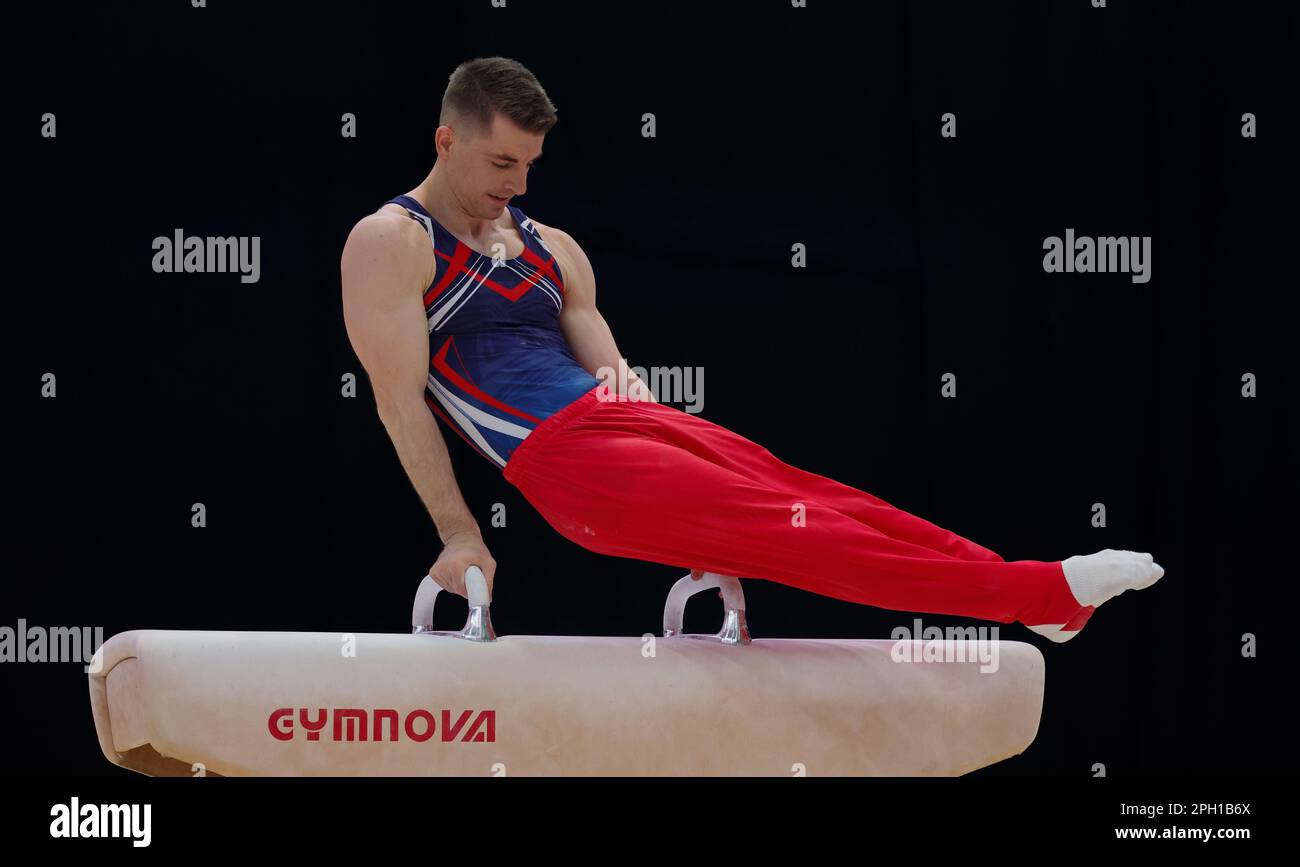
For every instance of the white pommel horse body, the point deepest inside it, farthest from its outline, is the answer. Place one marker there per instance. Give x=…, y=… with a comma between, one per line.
x=467, y=703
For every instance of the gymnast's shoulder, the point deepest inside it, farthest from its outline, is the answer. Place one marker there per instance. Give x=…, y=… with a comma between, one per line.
x=575, y=267
x=388, y=247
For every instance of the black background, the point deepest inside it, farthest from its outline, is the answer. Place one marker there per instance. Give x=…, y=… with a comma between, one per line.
x=775, y=126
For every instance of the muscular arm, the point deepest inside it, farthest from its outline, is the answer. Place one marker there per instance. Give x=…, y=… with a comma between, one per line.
x=586, y=330
x=385, y=267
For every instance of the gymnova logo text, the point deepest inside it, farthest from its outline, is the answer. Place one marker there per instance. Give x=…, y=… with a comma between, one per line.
x=382, y=723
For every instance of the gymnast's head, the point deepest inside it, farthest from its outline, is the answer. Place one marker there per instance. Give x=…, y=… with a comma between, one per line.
x=494, y=117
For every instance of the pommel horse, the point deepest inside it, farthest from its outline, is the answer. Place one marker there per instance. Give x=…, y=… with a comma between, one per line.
x=470, y=703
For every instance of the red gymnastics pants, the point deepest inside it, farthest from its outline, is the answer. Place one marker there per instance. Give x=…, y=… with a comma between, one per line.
x=648, y=481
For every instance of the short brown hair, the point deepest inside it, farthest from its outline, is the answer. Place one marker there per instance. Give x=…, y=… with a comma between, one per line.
x=480, y=87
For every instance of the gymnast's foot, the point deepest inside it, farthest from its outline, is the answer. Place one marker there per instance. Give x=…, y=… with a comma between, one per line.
x=1095, y=578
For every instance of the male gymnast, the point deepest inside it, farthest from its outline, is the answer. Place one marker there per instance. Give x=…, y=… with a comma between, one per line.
x=459, y=305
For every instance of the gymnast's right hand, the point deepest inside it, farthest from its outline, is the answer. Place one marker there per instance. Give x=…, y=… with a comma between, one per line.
x=461, y=550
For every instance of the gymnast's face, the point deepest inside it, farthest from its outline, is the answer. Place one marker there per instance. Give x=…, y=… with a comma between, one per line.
x=489, y=169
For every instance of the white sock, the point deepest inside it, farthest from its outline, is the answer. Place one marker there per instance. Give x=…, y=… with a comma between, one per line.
x=1094, y=578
